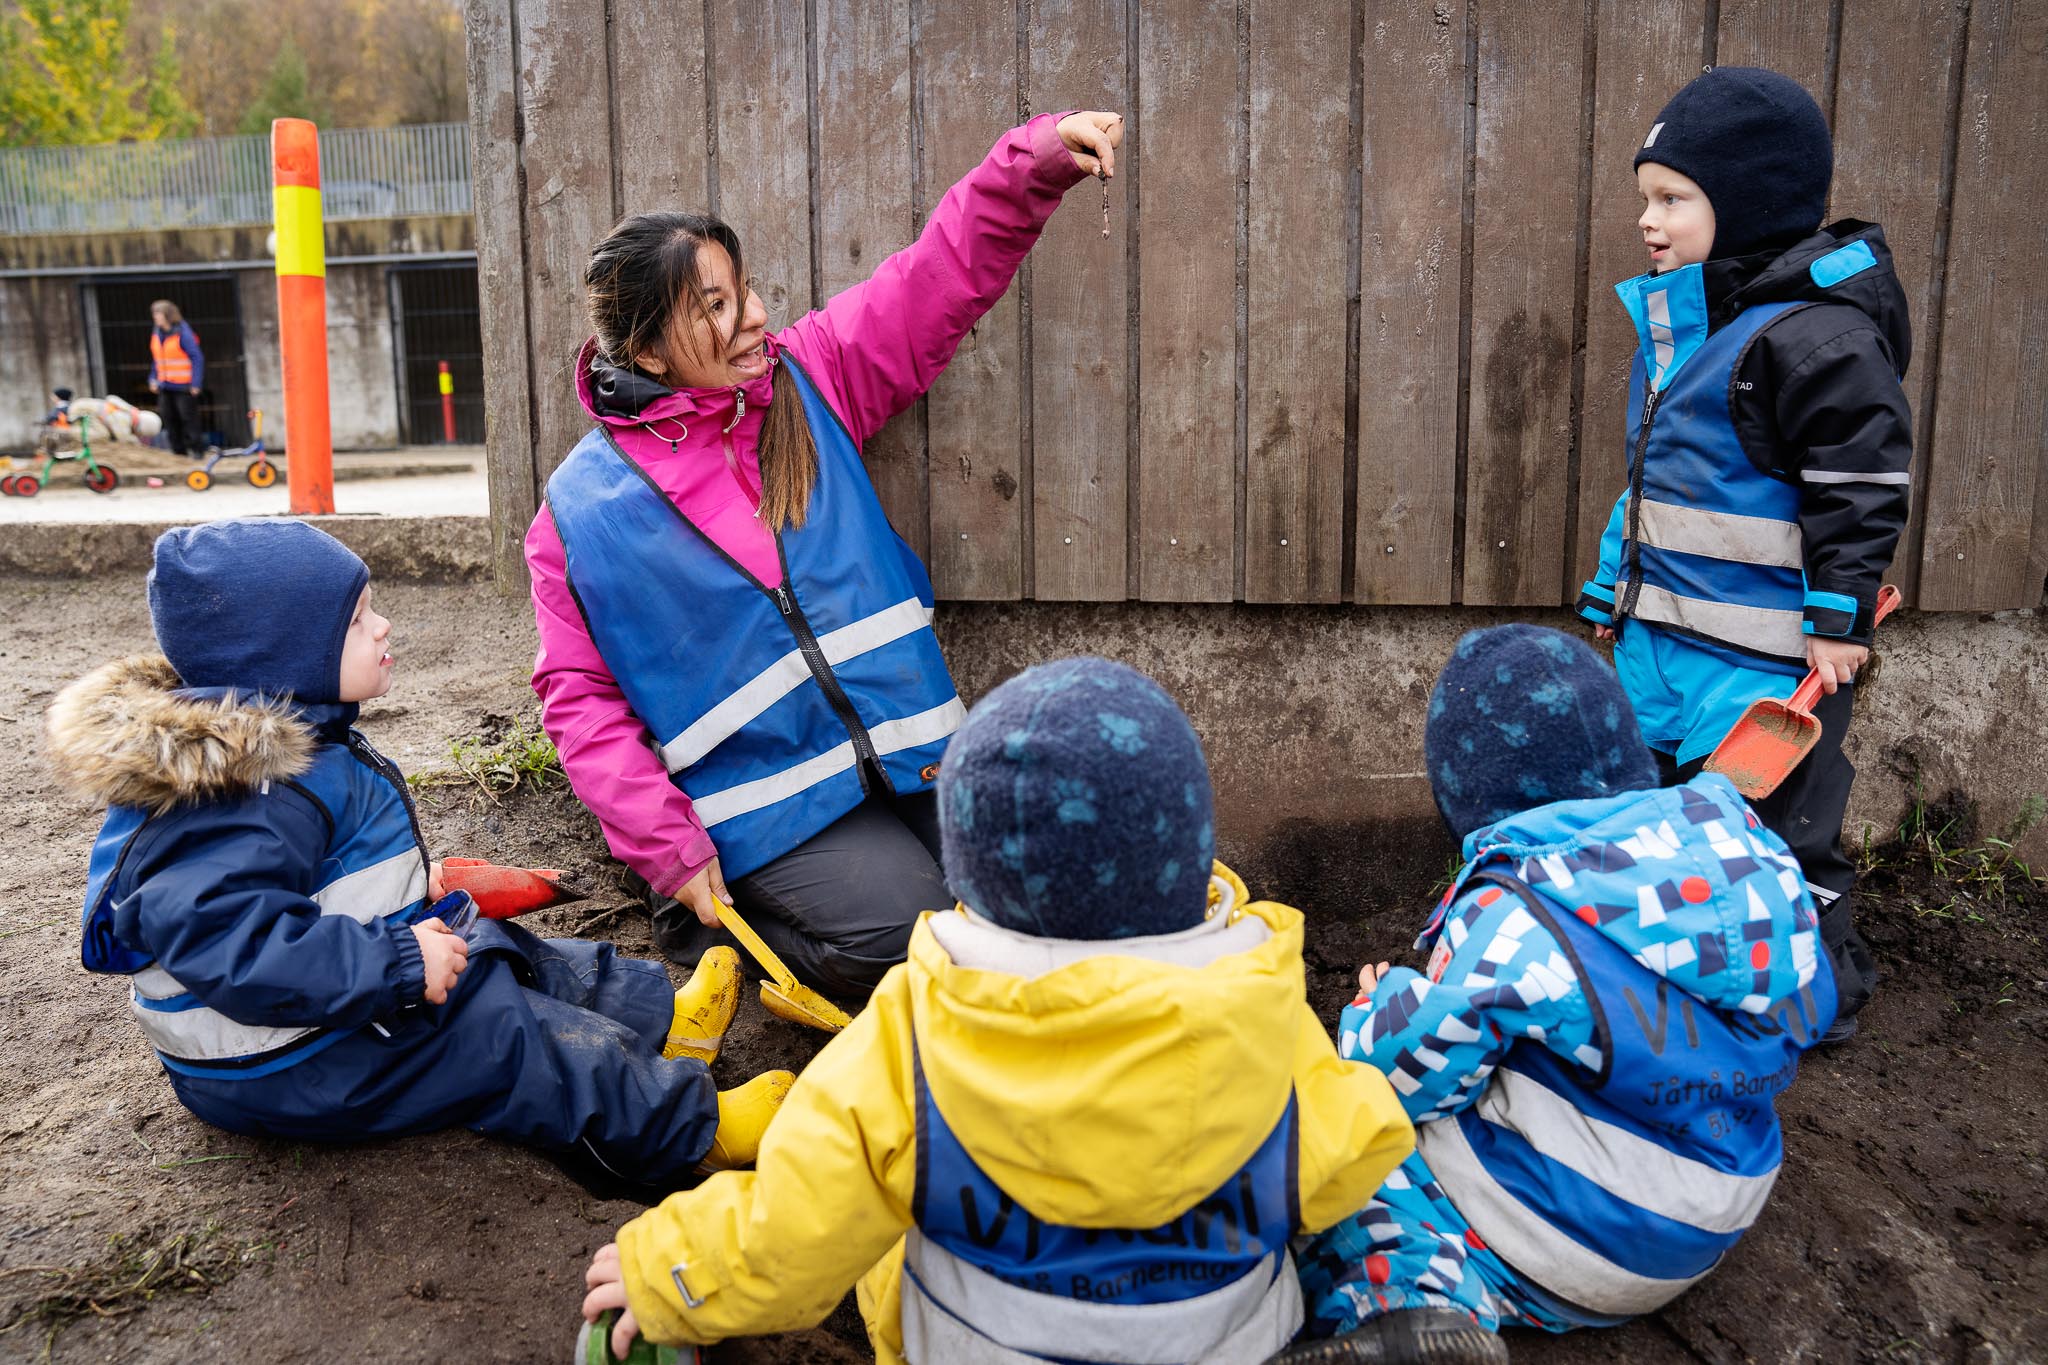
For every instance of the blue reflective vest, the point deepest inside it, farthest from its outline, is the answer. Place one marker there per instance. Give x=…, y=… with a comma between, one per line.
x=1711, y=544
x=985, y=1279
x=767, y=705
x=373, y=867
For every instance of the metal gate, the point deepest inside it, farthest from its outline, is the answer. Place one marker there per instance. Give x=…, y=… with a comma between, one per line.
x=118, y=327
x=434, y=320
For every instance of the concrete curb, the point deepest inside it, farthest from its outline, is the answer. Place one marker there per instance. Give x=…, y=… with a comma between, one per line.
x=419, y=549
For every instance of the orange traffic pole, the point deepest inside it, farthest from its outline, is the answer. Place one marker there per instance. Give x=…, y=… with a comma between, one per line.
x=302, y=314
x=447, y=404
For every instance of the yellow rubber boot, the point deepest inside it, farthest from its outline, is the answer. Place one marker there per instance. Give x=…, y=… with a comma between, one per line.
x=705, y=1006
x=743, y=1115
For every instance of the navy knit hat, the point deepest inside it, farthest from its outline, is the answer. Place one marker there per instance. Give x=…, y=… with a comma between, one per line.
x=1074, y=803
x=1523, y=716
x=1759, y=146
x=257, y=605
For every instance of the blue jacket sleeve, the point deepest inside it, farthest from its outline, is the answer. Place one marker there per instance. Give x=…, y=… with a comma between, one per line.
x=190, y=340
x=1596, y=598
x=221, y=894
x=1497, y=976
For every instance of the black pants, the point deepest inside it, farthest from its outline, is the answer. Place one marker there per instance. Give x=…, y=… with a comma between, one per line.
x=180, y=411
x=1806, y=812
x=839, y=907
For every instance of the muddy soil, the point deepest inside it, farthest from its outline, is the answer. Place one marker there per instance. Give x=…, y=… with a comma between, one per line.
x=1908, y=1223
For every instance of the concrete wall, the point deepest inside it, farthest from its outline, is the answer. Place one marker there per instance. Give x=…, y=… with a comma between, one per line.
x=1313, y=717
x=362, y=382
x=42, y=345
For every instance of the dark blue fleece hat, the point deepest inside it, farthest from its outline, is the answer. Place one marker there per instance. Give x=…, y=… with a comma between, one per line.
x=1074, y=803
x=257, y=605
x=1523, y=716
x=1759, y=146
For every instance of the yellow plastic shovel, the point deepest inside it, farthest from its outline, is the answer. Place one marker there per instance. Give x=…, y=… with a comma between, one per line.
x=784, y=997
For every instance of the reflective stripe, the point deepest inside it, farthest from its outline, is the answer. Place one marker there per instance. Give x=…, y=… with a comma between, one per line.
x=1626, y=1165
x=787, y=673
x=204, y=1035
x=377, y=890
x=1844, y=476
x=1721, y=535
x=889, y=737
x=1522, y=1238
x=1774, y=632
x=953, y=1311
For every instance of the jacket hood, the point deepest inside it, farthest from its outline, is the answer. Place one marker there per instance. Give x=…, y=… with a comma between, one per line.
x=1683, y=879
x=1075, y=1066
x=621, y=396
x=1846, y=262
x=131, y=734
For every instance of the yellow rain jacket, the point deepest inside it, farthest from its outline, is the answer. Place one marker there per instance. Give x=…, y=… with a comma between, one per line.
x=1097, y=1088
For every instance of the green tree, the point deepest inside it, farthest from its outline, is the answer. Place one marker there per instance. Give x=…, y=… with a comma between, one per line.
x=286, y=93
x=71, y=71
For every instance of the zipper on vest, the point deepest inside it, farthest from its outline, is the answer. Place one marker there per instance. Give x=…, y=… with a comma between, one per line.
x=828, y=682
x=1635, y=506
x=388, y=770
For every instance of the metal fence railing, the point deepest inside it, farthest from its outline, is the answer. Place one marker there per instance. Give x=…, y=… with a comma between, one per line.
x=417, y=169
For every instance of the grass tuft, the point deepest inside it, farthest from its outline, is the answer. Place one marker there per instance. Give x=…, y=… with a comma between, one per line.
x=136, y=1271
x=508, y=758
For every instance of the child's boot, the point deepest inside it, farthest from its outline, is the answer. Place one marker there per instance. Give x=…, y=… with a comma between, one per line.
x=1407, y=1336
x=705, y=1006
x=743, y=1115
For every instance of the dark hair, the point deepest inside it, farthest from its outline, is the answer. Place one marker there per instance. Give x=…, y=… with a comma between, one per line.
x=169, y=310
x=634, y=287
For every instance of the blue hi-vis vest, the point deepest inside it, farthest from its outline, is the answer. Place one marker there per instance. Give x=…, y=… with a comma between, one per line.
x=1712, y=545
x=374, y=868
x=765, y=704
x=986, y=1280
x=1617, y=1192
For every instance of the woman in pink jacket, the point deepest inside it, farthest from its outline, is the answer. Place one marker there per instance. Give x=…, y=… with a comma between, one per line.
x=736, y=657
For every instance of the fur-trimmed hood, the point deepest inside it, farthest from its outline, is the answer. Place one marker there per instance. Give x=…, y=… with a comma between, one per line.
x=131, y=734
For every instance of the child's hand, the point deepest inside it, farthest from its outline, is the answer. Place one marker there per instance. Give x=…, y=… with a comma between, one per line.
x=1835, y=661
x=435, y=890
x=1369, y=976
x=1603, y=632
x=1092, y=138
x=607, y=1281
x=444, y=956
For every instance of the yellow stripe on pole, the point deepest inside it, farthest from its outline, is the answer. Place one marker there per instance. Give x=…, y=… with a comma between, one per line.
x=447, y=382
x=301, y=246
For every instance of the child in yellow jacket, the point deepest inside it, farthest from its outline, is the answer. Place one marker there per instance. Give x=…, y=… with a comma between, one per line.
x=1091, y=1109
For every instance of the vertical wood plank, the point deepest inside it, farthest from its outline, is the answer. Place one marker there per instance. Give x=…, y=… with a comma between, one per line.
x=1788, y=36
x=1899, y=61
x=1187, y=289
x=1411, y=274
x=1295, y=337
x=661, y=160
x=864, y=205
x=565, y=150
x=1525, y=219
x=1080, y=359
x=1645, y=54
x=1991, y=404
x=501, y=283
x=763, y=170
x=975, y=417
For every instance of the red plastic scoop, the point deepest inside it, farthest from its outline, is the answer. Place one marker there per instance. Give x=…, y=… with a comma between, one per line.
x=503, y=892
x=1772, y=737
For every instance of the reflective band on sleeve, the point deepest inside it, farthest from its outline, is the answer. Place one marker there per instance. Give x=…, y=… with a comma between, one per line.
x=377, y=890
x=1847, y=476
x=300, y=247
x=1523, y=1239
x=1721, y=535
x=1760, y=628
x=779, y=679
x=1624, y=1164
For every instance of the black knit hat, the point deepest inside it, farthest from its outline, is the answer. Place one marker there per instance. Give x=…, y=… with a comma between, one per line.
x=1759, y=146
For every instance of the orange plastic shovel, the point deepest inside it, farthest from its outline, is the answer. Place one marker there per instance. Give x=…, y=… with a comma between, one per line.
x=1763, y=747
x=503, y=892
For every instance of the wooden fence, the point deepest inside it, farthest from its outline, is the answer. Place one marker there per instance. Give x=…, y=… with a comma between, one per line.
x=1353, y=337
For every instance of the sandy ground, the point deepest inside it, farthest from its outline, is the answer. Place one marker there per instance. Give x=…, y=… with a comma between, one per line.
x=1908, y=1223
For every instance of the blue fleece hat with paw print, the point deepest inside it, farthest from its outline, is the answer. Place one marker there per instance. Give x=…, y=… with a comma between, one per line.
x=1074, y=803
x=1524, y=716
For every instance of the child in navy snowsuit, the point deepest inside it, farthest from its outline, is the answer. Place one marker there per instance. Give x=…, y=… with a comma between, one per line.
x=262, y=882
x=1767, y=460
x=1621, y=979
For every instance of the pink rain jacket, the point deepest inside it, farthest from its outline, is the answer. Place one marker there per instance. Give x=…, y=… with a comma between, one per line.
x=872, y=351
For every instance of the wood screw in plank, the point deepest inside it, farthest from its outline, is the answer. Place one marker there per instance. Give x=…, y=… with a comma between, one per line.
x=1070, y=540
x=1390, y=549
x=1283, y=540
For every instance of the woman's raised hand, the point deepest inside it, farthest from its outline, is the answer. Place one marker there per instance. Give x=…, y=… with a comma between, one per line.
x=1093, y=137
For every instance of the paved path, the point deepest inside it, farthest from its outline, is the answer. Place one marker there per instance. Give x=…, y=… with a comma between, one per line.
x=67, y=499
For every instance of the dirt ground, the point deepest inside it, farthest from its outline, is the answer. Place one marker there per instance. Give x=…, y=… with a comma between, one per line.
x=1908, y=1223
